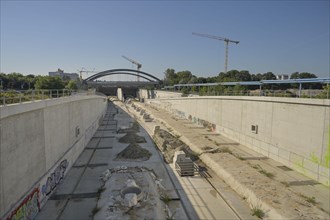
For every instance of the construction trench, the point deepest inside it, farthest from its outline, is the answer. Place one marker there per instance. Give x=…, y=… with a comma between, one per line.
x=127, y=172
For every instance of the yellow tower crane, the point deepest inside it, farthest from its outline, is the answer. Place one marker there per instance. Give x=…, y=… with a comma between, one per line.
x=226, y=40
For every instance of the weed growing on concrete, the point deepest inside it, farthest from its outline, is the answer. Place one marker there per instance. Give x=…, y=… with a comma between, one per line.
x=310, y=199
x=266, y=173
x=256, y=166
x=258, y=213
x=241, y=158
x=95, y=210
x=100, y=190
x=165, y=198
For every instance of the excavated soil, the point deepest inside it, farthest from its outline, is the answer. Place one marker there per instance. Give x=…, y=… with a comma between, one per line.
x=132, y=138
x=134, y=152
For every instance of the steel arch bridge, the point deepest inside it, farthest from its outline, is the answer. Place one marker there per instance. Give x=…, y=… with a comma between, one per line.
x=131, y=72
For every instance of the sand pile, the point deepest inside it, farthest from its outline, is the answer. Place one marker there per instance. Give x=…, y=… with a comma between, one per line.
x=132, y=138
x=134, y=152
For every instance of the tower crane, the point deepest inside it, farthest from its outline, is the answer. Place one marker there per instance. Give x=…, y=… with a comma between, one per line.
x=138, y=65
x=83, y=70
x=226, y=40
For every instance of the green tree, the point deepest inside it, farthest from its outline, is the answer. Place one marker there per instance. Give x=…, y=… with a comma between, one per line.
x=72, y=84
x=303, y=75
x=49, y=82
x=170, y=77
x=183, y=77
x=234, y=76
x=268, y=76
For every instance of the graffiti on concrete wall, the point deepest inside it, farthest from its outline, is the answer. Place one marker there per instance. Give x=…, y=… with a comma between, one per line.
x=28, y=208
x=54, y=178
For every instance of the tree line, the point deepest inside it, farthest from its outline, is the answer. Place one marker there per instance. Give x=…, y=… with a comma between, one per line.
x=183, y=77
x=17, y=81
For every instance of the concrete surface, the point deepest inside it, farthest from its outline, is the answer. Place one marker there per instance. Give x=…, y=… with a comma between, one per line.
x=39, y=142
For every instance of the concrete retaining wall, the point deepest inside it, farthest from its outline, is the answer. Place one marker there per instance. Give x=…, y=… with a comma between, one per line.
x=150, y=94
x=292, y=131
x=39, y=143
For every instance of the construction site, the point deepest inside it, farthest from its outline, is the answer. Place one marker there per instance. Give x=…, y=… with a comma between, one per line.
x=146, y=163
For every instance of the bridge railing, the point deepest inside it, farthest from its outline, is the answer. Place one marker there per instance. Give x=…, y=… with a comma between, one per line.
x=20, y=96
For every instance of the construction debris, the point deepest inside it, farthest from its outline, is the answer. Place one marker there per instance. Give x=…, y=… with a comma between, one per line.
x=134, y=152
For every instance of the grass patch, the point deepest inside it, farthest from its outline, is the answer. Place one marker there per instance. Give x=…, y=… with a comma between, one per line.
x=257, y=212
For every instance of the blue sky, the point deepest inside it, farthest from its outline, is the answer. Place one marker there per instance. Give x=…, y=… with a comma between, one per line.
x=278, y=36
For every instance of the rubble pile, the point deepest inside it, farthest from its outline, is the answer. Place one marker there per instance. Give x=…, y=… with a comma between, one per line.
x=169, y=144
x=134, y=152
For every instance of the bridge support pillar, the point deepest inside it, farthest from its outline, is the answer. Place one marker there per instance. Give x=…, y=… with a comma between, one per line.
x=120, y=94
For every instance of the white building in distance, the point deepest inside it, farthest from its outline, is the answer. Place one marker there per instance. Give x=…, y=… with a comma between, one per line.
x=63, y=75
x=282, y=77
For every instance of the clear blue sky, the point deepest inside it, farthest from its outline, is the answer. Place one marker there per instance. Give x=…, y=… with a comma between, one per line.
x=278, y=36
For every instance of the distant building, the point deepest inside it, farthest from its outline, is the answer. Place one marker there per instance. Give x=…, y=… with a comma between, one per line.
x=63, y=75
x=282, y=77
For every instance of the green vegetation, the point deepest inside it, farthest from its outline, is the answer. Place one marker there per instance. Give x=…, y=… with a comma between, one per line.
x=17, y=81
x=262, y=171
x=19, y=88
x=95, y=210
x=165, y=198
x=311, y=200
x=184, y=77
x=266, y=173
x=257, y=212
